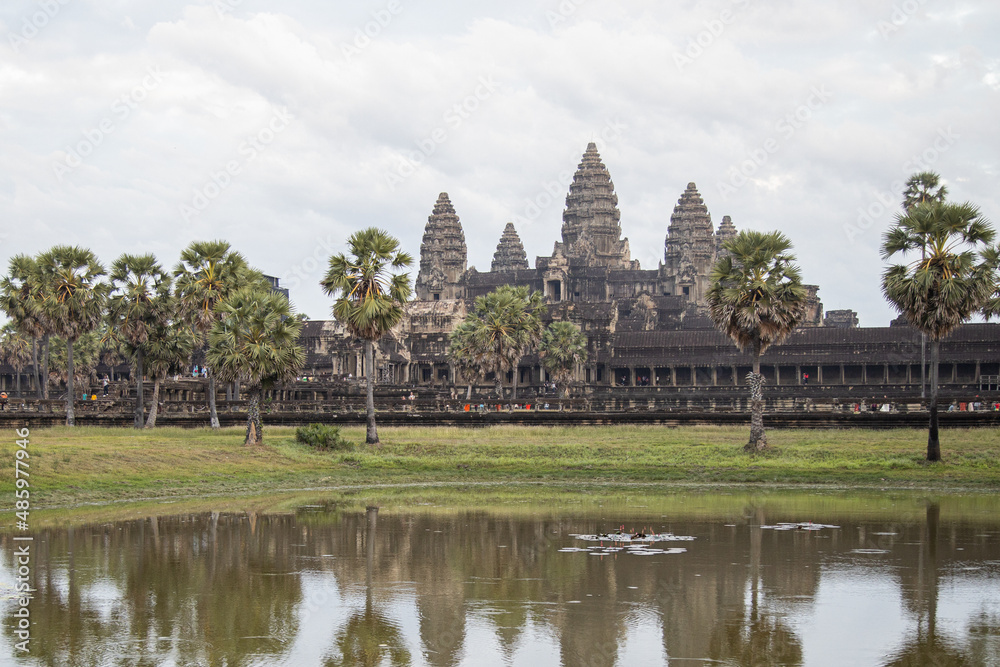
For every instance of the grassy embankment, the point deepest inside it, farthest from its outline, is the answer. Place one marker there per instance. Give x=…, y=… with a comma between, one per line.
x=94, y=464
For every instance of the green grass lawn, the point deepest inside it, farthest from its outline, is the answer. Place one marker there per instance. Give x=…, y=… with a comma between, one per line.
x=95, y=464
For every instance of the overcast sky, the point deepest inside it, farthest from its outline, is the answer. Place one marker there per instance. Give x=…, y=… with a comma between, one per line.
x=134, y=126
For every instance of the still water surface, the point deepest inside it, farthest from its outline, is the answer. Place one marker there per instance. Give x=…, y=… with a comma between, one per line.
x=886, y=580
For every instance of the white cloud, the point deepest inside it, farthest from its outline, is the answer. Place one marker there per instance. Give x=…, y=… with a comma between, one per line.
x=554, y=85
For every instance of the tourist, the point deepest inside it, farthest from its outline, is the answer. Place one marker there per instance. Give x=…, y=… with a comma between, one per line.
x=3, y=400
x=805, y=378
x=104, y=384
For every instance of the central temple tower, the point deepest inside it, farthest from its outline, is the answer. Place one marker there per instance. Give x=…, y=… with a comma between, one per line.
x=591, y=229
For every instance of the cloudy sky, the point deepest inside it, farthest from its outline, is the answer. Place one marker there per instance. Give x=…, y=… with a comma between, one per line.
x=134, y=126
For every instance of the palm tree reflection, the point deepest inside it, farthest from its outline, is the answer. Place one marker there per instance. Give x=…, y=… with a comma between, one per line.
x=369, y=635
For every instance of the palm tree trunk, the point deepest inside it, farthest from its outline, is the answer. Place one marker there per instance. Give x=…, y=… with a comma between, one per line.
x=213, y=413
x=45, y=367
x=923, y=364
x=34, y=367
x=933, y=444
x=151, y=421
x=17, y=381
x=513, y=389
x=70, y=391
x=255, y=427
x=758, y=438
x=371, y=437
x=139, y=411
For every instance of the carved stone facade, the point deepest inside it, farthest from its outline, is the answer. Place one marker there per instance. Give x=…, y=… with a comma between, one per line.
x=841, y=319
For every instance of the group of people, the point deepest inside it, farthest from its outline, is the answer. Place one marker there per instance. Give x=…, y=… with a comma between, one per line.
x=974, y=406
x=872, y=407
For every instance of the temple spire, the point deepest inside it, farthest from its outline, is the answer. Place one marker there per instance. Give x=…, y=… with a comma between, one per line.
x=443, y=254
x=591, y=229
x=690, y=246
x=510, y=255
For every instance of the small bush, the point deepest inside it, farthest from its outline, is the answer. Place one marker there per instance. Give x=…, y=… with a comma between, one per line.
x=321, y=436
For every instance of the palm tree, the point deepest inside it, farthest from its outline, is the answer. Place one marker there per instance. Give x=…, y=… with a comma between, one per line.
x=209, y=271
x=72, y=303
x=15, y=349
x=369, y=296
x=951, y=280
x=757, y=299
x=255, y=341
x=506, y=322
x=462, y=352
x=170, y=346
x=140, y=294
x=20, y=297
x=922, y=188
x=563, y=346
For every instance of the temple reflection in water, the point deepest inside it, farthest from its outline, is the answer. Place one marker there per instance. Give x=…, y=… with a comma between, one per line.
x=329, y=587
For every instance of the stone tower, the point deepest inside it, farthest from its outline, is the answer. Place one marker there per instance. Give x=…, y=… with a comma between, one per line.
x=727, y=230
x=510, y=255
x=690, y=247
x=443, y=254
x=591, y=230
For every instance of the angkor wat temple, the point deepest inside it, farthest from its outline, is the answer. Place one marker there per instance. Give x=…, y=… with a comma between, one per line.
x=646, y=327
x=651, y=342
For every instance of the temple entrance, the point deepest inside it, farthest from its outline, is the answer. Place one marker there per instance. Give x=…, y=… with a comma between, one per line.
x=553, y=290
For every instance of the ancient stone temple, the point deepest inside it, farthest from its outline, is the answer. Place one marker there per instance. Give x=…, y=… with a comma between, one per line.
x=443, y=254
x=645, y=327
x=510, y=255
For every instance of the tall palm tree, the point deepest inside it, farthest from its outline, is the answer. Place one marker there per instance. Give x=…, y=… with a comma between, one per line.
x=139, y=301
x=15, y=349
x=369, y=296
x=462, y=352
x=506, y=322
x=563, y=346
x=922, y=188
x=170, y=346
x=209, y=271
x=255, y=341
x=73, y=301
x=20, y=298
x=951, y=280
x=757, y=299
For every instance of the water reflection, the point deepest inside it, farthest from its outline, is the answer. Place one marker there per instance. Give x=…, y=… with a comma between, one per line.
x=329, y=587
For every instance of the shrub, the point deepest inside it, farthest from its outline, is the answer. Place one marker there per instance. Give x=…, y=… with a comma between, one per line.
x=322, y=436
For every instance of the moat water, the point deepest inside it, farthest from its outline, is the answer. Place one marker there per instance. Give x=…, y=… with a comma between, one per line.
x=494, y=578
